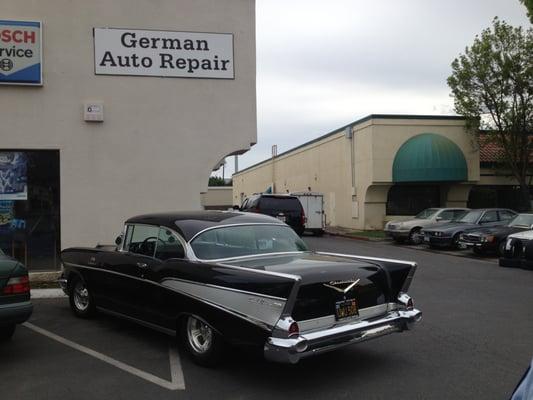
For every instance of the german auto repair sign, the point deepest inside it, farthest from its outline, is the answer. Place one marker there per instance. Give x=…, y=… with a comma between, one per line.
x=163, y=53
x=20, y=53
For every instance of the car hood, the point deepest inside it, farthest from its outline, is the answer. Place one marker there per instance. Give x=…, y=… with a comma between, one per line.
x=411, y=223
x=525, y=235
x=452, y=226
x=497, y=230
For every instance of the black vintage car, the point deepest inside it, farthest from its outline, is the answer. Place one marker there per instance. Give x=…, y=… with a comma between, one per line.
x=492, y=240
x=245, y=279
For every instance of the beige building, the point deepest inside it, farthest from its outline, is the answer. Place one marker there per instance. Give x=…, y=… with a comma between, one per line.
x=172, y=86
x=381, y=167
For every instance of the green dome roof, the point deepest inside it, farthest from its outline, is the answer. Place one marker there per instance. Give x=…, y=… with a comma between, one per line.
x=429, y=157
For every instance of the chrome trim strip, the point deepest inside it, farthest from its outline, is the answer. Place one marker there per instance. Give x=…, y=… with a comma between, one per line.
x=254, y=306
x=225, y=288
x=411, y=263
x=262, y=271
x=220, y=307
x=329, y=321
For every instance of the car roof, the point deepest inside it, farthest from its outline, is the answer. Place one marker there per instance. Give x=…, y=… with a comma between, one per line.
x=189, y=223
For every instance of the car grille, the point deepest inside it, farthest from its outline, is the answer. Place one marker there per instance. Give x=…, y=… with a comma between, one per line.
x=472, y=238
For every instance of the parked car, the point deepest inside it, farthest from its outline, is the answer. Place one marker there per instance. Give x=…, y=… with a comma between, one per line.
x=518, y=252
x=524, y=389
x=448, y=235
x=410, y=229
x=492, y=240
x=15, y=305
x=245, y=279
x=284, y=207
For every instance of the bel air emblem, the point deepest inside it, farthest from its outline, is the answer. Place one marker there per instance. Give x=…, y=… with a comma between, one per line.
x=333, y=285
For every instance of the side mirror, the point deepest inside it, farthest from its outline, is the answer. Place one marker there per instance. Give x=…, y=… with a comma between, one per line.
x=118, y=240
x=439, y=219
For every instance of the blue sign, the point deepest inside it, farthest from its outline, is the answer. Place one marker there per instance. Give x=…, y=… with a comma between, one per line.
x=20, y=53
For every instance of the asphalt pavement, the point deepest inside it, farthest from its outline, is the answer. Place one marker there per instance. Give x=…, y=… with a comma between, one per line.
x=474, y=342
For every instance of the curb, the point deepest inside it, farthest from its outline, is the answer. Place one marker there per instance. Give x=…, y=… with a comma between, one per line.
x=362, y=238
x=47, y=294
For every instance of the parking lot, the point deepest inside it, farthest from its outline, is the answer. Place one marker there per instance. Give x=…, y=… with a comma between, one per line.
x=475, y=341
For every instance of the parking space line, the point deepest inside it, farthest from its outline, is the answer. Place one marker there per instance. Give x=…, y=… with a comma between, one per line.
x=177, y=381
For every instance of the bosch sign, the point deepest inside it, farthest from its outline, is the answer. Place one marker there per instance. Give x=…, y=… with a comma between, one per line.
x=20, y=53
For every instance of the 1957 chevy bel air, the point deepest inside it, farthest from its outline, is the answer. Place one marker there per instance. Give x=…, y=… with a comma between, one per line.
x=244, y=279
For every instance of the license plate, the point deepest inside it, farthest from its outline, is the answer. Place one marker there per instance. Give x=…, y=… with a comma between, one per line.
x=426, y=238
x=282, y=218
x=463, y=246
x=345, y=309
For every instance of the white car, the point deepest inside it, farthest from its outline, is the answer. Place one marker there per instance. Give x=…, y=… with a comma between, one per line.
x=518, y=251
x=410, y=229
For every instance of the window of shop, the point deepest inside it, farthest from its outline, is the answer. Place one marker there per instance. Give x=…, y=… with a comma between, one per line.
x=495, y=196
x=411, y=199
x=29, y=207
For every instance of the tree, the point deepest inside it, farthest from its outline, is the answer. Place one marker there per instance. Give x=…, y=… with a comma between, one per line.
x=216, y=181
x=529, y=6
x=492, y=85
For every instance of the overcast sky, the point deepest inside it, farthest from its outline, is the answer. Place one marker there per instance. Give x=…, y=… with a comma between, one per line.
x=323, y=64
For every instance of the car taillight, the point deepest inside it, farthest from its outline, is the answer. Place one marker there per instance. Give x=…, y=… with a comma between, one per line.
x=294, y=329
x=304, y=218
x=17, y=285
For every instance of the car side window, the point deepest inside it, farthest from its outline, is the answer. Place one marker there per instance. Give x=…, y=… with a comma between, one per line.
x=446, y=215
x=142, y=240
x=457, y=214
x=168, y=245
x=489, y=216
x=506, y=215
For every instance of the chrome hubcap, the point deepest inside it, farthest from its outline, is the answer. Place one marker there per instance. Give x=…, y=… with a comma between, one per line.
x=199, y=334
x=81, y=296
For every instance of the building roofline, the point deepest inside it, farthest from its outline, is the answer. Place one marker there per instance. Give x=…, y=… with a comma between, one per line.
x=357, y=122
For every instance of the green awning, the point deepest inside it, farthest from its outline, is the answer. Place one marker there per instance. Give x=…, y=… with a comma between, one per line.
x=429, y=157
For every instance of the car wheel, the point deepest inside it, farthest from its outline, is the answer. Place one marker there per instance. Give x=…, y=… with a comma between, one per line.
x=501, y=249
x=202, y=342
x=455, y=240
x=414, y=236
x=81, y=300
x=6, y=332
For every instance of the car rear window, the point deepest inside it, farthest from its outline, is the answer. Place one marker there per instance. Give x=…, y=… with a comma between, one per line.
x=280, y=203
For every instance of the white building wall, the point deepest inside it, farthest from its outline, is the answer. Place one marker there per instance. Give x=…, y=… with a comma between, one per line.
x=160, y=138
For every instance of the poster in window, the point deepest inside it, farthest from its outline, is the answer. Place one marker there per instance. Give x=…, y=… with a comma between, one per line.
x=13, y=177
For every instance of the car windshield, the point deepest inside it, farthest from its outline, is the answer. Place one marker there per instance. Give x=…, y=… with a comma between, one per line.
x=427, y=213
x=246, y=240
x=523, y=220
x=470, y=217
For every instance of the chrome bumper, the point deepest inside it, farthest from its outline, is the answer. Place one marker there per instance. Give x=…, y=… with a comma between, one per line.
x=308, y=344
x=63, y=284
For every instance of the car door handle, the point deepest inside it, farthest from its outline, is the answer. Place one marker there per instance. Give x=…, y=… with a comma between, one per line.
x=142, y=265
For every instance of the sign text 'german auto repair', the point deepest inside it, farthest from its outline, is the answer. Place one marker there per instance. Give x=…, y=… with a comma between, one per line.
x=163, y=53
x=20, y=53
